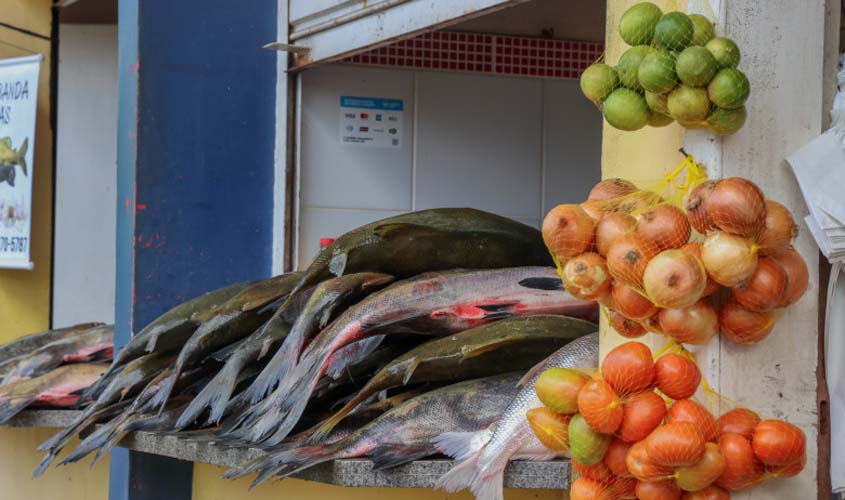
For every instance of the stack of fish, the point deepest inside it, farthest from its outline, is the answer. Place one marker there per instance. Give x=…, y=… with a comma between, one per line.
x=404, y=338
x=50, y=369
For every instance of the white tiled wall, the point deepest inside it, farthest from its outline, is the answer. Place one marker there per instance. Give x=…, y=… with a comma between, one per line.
x=513, y=146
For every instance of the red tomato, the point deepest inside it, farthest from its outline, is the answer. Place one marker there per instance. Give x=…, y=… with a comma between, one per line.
x=629, y=368
x=740, y=421
x=658, y=490
x=600, y=406
x=708, y=493
x=703, y=473
x=676, y=376
x=776, y=442
x=552, y=429
x=615, y=457
x=597, y=472
x=687, y=410
x=642, y=467
x=587, y=489
x=676, y=444
x=643, y=412
x=742, y=468
x=789, y=470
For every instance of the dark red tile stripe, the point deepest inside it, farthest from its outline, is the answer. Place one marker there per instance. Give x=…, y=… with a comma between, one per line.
x=482, y=53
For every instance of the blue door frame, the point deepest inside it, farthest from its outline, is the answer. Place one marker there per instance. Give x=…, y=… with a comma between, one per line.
x=196, y=139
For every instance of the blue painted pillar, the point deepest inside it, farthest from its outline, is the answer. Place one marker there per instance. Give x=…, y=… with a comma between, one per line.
x=196, y=138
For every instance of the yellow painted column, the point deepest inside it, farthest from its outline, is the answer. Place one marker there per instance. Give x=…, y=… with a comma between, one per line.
x=644, y=155
x=25, y=295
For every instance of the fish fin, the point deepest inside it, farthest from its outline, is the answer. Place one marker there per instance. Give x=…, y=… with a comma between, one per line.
x=44, y=463
x=536, y=455
x=410, y=369
x=222, y=355
x=338, y=264
x=273, y=373
x=468, y=352
x=489, y=487
x=461, y=476
x=352, y=354
x=266, y=344
x=542, y=283
x=387, y=456
x=167, y=387
x=22, y=154
x=6, y=141
x=461, y=445
x=215, y=395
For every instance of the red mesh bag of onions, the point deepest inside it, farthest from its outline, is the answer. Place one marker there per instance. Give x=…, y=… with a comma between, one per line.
x=685, y=257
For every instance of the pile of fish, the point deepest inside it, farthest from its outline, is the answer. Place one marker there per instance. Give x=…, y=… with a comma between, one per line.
x=409, y=337
x=52, y=368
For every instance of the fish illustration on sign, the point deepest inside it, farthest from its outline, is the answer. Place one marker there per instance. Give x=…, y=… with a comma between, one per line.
x=9, y=158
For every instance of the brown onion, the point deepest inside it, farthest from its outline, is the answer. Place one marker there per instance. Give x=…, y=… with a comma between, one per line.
x=611, y=188
x=697, y=210
x=737, y=205
x=666, y=226
x=797, y=276
x=594, y=208
x=585, y=276
x=727, y=258
x=779, y=230
x=631, y=303
x=763, y=290
x=568, y=231
x=611, y=227
x=637, y=202
x=606, y=298
x=674, y=279
x=694, y=249
x=627, y=258
x=743, y=326
x=693, y=325
x=624, y=326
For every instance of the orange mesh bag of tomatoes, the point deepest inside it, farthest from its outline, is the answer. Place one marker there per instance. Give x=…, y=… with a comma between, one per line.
x=685, y=257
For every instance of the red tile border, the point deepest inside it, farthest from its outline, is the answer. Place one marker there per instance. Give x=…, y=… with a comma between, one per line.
x=484, y=53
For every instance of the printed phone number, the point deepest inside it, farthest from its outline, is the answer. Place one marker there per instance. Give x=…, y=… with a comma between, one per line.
x=13, y=244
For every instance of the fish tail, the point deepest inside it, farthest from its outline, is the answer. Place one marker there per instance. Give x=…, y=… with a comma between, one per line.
x=44, y=463
x=461, y=476
x=276, y=370
x=215, y=395
x=167, y=387
x=327, y=425
x=285, y=463
x=489, y=487
x=22, y=155
x=461, y=445
x=291, y=419
x=97, y=439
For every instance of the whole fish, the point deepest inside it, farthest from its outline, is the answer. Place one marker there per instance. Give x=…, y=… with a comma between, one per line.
x=482, y=472
x=88, y=345
x=58, y=388
x=10, y=157
x=169, y=331
x=403, y=434
x=29, y=343
x=328, y=298
x=434, y=304
x=510, y=344
x=235, y=319
x=429, y=240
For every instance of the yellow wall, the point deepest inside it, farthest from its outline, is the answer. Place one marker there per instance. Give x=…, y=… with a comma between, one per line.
x=25, y=295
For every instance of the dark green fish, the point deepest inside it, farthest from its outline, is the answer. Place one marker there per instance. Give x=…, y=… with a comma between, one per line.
x=29, y=343
x=403, y=434
x=429, y=240
x=235, y=319
x=511, y=344
x=88, y=345
x=328, y=299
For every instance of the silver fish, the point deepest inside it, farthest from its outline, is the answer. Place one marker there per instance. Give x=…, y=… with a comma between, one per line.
x=482, y=471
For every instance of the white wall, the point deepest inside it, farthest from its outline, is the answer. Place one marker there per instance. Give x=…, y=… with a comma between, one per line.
x=84, y=253
x=513, y=146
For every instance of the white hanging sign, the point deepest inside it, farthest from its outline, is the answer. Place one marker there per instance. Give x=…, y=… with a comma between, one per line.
x=18, y=106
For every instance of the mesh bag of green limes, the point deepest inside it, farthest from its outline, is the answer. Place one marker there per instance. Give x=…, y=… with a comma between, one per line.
x=675, y=70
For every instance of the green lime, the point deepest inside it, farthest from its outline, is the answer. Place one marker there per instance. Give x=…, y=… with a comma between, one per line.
x=696, y=66
x=629, y=65
x=657, y=102
x=729, y=88
x=656, y=119
x=598, y=81
x=637, y=24
x=688, y=104
x=674, y=31
x=725, y=51
x=586, y=445
x=693, y=125
x=657, y=72
x=702, y=29
x=726, y=121
x=625, y=109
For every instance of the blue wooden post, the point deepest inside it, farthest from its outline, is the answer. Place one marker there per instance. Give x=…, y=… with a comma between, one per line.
x=196, y=138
